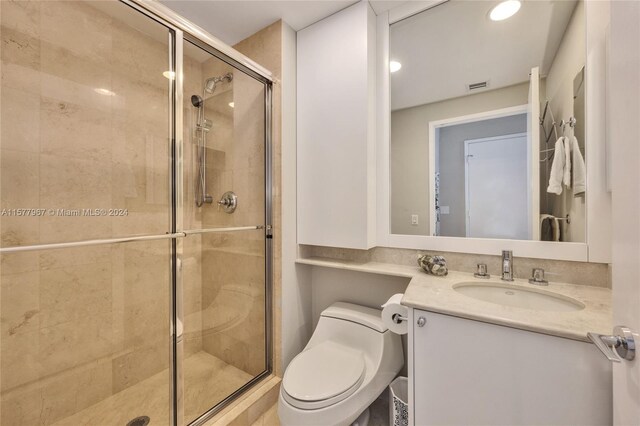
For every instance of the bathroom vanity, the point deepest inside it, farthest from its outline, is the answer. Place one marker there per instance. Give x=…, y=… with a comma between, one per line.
x=491, y=352
x=483, y=351
x=471, y=372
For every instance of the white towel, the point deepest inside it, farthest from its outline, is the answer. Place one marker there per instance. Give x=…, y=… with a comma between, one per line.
x=554, y=224
x=566, y=177
x=579, y=169
x=556, y=176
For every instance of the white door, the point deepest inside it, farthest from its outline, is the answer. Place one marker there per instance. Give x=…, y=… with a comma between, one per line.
x=497, y=187
x=624, y=86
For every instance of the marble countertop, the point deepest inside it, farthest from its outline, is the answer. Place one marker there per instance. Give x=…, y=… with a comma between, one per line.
x=436, y=294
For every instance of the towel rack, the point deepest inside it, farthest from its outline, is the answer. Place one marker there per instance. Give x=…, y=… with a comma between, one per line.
x=571, y=122
x=553, y=123
x=562, y=125
x=567, y=218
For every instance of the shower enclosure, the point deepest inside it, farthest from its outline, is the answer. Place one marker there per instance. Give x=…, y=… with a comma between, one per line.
x=135, y=212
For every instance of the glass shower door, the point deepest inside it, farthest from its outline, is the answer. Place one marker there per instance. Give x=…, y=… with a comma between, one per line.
x=128, y=294
x=85, y=332
x=224, y=257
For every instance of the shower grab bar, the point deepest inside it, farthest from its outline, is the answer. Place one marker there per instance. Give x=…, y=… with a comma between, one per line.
x=182, y=234
x=53, y=246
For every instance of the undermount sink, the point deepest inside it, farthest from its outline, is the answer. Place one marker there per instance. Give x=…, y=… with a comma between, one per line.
x=518, y=297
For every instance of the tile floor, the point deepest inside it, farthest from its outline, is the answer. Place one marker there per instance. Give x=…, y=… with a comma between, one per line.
x=207, y=381
x=379, y=413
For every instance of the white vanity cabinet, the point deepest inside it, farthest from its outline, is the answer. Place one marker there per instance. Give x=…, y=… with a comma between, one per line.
x=336, y=127
x=465, y=372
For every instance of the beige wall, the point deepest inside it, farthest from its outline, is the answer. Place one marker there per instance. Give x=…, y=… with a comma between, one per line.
x=233, y=284
x=266, y=48
x=410, y=148
x=568, y=62
x=192, y=248
x=81, y=324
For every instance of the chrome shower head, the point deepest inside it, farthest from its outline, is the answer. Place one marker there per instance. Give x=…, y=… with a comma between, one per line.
x=196, y=101
x=210, y=83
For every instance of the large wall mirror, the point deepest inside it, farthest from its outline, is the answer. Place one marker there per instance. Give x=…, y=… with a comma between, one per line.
x=487, y=130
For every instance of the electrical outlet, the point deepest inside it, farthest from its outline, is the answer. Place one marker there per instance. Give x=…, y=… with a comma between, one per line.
x=444, y=209
x=414, y=219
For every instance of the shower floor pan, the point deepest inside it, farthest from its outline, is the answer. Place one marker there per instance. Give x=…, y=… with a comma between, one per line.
x=207, y=380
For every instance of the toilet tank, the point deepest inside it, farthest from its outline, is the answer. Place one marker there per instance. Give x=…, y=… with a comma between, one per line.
x=355, y=326
x=362, y=315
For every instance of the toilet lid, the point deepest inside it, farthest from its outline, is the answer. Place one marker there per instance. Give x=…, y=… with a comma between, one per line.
x=323, y=375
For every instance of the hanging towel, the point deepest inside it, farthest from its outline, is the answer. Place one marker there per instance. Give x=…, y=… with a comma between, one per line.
x=556, y=176
x=566, y=176
x=579, y=169
x=549, y=228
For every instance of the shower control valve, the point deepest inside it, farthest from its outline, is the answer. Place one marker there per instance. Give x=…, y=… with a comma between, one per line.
x=228, y=202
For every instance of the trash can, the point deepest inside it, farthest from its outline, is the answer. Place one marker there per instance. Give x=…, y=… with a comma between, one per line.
x=398, y=402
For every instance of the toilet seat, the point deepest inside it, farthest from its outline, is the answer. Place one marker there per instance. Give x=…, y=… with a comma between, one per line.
x=323, y=375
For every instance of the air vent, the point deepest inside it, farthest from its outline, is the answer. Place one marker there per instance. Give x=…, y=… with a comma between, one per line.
x=476, y=86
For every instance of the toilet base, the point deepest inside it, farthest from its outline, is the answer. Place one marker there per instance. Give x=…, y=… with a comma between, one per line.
x=363, y=419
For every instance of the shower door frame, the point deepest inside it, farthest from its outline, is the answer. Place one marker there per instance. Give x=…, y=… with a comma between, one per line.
x=182, y=31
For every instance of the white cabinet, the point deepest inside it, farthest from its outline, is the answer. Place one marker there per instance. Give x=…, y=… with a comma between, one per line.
x=465, y=372
x=336, y=130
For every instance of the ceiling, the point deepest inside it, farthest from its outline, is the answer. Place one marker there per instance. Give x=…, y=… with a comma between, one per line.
x=445, y=48
x=234, y=20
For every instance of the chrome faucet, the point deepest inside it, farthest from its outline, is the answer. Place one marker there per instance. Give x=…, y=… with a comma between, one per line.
x=507, y=265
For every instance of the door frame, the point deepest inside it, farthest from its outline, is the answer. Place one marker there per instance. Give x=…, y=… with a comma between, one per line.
x=452, y=121
x=466, y=174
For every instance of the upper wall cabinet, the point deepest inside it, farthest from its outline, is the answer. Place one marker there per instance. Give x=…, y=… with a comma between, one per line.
x=336, y=130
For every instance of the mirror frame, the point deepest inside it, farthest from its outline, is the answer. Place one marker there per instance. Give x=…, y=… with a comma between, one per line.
x=597, y=247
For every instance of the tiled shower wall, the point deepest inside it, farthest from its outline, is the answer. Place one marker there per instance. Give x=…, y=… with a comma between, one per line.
x=84, y=126
x=79, y=325
x=233, y=283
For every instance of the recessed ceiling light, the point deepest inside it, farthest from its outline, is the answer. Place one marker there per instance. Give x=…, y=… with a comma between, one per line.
x=105, y=92
x=171, y=75
x=394, y=66
x=504, y=10
x=232, y=105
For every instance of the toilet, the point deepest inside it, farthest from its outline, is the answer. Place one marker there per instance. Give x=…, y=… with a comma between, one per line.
x=351, y=358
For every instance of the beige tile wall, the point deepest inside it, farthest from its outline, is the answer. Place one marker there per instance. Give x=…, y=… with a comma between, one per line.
x=78, y=325
x=265, y=47
x=233, y=291
x=593, y=274
x=192, y=215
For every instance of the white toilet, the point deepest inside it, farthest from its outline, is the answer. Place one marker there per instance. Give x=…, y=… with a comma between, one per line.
x=351, y=358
